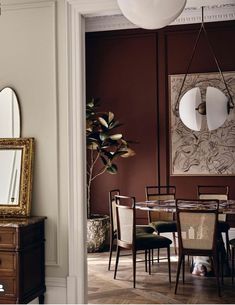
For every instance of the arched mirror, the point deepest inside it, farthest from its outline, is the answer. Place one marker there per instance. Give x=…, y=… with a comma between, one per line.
x=9, y=114
x=15, y=158
x=10, y=159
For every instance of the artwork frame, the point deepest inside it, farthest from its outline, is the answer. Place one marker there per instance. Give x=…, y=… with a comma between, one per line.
x=201, y=153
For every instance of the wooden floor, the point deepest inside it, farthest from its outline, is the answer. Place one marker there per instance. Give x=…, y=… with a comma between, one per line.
x=150, y=289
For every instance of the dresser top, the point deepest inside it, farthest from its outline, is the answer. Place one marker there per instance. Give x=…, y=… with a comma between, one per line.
x=20, y=222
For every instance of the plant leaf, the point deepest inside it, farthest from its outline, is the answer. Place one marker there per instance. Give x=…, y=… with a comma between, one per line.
x=116, y=136
x=114, y=124
x=130, y=153
x=112, y=169
x=119, y=153
x=103, y=136
x=110, y=117
x=92, y=146
x=103, y=122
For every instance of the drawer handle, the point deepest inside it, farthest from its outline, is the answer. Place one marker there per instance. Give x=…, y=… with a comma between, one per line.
x=1, y=288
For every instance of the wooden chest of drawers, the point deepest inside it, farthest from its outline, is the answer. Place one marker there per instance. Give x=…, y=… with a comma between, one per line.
x=22, y=260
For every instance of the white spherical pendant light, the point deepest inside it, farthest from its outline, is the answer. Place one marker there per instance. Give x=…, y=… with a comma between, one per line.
x=151, y=14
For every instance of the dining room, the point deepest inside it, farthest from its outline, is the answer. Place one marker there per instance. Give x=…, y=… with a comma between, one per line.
x=141, y=76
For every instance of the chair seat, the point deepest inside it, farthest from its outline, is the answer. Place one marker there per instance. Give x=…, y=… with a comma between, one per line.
x=232, y=242
x=151, y=241
x=144, y=229
x=140, y=229
x=223, y=226
x=162, y=226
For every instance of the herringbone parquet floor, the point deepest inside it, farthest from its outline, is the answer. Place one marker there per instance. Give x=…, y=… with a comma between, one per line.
x=150, y=289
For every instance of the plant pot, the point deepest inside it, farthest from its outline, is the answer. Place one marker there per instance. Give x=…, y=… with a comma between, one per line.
x=97, y=232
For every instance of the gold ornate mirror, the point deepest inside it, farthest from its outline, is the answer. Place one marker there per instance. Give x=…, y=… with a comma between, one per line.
x=16, y=157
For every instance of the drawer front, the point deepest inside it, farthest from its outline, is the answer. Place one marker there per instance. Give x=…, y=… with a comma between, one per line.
x=7, y=263
x=7, y=238
x=7, y=287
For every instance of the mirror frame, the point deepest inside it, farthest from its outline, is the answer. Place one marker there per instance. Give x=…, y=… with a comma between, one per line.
x=23, y=208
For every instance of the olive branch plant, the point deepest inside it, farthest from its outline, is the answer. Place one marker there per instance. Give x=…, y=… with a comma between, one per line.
x=103, y=144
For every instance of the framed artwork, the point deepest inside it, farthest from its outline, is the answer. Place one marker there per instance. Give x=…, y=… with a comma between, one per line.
x=201, y=152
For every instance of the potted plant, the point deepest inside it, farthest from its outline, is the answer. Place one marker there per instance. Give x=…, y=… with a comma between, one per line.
x=104, y=146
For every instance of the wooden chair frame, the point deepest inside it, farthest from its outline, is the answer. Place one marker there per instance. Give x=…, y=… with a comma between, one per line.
x=213, y=253
x=223, y=190
x=161, y=191
x=132, y=246
x=112, y=231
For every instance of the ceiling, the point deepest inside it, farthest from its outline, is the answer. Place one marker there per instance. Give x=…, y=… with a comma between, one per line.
x=215, y=10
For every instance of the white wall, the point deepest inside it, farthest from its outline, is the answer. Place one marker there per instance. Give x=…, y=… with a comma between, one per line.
x=33, y=63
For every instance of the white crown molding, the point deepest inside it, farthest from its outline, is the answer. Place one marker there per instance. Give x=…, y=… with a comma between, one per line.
x=189, y=15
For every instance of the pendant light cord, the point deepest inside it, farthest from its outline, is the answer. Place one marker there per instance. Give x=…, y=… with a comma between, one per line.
x=202, y=29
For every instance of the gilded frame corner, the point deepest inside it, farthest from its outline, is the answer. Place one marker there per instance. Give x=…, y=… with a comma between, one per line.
x=23, y=208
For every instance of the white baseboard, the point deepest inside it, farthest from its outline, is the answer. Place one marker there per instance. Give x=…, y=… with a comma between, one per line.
x=55, y=291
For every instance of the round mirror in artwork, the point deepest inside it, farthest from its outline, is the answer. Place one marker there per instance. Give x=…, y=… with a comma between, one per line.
x=9, y=114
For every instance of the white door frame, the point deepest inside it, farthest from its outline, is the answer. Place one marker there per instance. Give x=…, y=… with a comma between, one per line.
x=76, y=11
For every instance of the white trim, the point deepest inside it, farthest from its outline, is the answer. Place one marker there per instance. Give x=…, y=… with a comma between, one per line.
x=26, y=5
x=56, y=291
x=76, y=9
x=226, y=12
x=56, y=282
x=77, y=279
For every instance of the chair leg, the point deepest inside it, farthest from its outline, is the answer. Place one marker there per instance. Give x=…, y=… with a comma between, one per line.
x=169, y=263
x=134, y=266
x=215, y=266
x=146, y=260
x=158, y=253
x=110, y=250
x=149, y=252
x=178, y=272
x=221, y=264
x=174, y=241
x=183, y=268
x=227, y=245
x=117, y=260
x=233, y=254
x=152, y=255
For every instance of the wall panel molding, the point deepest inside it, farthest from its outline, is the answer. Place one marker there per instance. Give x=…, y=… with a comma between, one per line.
x=21, y=7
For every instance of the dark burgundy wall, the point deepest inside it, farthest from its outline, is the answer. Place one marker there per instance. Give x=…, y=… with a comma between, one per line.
x=128, y=70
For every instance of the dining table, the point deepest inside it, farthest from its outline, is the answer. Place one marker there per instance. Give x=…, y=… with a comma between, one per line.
x=225, y=206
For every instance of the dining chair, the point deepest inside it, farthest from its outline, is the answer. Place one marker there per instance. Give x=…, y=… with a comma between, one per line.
x=219, y=192
x=113, y=224
x=232, y=243
x=162, y=222
x=197, y=223
x=128, y=237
